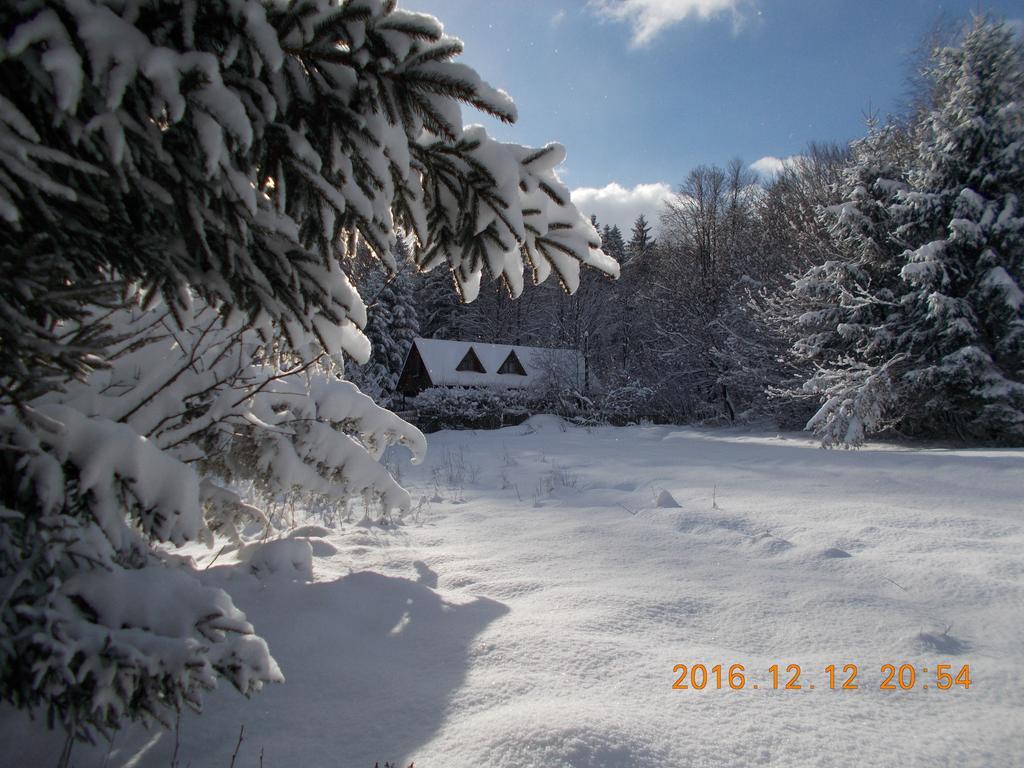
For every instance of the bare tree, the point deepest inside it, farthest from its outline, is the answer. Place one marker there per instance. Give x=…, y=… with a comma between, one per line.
x=793, y=235
x=706, y=247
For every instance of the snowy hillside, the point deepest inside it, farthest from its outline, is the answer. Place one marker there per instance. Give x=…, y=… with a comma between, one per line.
x=532, y=611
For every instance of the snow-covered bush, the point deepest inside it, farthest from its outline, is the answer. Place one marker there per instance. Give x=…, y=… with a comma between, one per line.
x=473, y=407
x=288, y=557
x=487, y=408
x=627, y=403
x=484, y=408
x=182, y=188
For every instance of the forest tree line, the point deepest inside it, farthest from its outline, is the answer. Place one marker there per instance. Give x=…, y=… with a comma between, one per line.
x=868, y=288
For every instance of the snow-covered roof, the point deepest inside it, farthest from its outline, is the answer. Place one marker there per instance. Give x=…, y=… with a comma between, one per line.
x=442, y=358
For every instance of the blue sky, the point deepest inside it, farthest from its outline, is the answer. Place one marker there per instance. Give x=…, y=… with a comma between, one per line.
x=641, y=91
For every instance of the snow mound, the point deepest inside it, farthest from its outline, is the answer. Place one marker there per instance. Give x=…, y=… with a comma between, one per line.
x=543, y=421
x=550, y=736
x=771, y=544
x=678, y=436
x=253, y=530
x=288, y=557
x=835, y=552
x=322, y=548
x=693, y=522
x=667, y=500
x=315, y=535
x=942, y=642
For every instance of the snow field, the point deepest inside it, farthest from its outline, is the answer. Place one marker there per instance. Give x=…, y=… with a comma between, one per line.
x=532, y=614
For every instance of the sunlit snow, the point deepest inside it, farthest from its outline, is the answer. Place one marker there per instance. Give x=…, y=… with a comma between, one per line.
x=533, y=615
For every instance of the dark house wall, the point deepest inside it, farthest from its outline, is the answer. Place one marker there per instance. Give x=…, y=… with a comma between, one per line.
x=414, y=378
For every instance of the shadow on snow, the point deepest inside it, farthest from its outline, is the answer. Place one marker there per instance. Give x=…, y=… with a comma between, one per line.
x=369, y=660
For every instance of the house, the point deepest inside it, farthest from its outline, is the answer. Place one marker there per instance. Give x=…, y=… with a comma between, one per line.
x=443, y=363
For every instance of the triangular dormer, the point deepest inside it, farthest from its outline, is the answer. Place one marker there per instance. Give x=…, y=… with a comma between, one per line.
x=470, y=363
x=512, y=366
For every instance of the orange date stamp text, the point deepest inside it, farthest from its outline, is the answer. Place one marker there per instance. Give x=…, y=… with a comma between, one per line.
x=842, y=677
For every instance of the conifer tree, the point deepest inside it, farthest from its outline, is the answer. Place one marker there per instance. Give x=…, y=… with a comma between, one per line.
x=612, y=243
x=630, y=322
x=183, y=189
x=437, y=304
x=835, y=310
x=640, y=241
x=916, y=321
x=964, y=227
x=392, y=324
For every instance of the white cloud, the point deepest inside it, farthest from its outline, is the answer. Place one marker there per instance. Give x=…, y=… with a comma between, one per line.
x=769, y=167
x=649, y=17
x=558, y=18
x=616, y=205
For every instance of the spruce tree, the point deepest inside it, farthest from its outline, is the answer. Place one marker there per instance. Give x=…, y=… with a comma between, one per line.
x=392, y=324
x=612, y=243
x=964, y=228
x=183, y=191
x=838, y=311
x=629, y=319
x=437, y=304
x=915, y=321
x=640, y=241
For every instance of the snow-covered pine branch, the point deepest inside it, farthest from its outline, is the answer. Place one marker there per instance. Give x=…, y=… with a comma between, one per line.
x=140, y=452
x=232, y=146
x=183, y=188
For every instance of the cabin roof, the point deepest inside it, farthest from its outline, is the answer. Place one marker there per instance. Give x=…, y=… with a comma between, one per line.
x=441, y=358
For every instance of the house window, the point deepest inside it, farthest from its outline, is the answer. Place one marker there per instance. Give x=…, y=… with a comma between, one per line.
x=512, y=366
x=470, y=363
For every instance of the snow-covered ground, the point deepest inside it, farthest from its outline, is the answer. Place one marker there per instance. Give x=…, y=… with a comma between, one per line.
x=532, y=611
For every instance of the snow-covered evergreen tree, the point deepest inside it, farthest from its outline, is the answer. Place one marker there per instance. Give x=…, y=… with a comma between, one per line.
x=640, y=241
x=964, y=229
x=437, y=304
x=612, y=243
x=183, y=187
x=916, y=318
x=837, y=312
x=392, y=324
x=629, y=320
